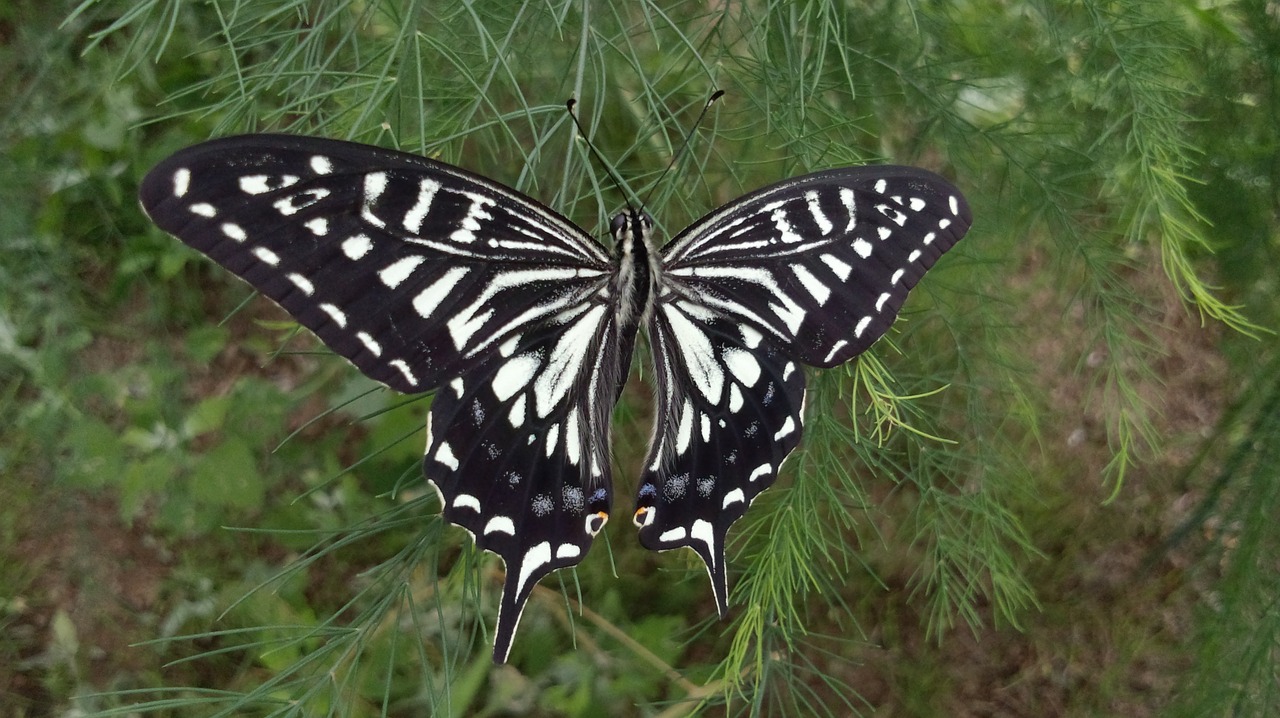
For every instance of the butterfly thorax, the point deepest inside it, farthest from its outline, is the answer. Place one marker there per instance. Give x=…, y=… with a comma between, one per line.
x=637, y=272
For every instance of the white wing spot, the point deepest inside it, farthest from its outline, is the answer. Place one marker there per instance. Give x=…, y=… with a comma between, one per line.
x=553, y=438
x=398, y=271
x=461, y=501
x=953, y=205
x=815, y=209
x=944, y=223
x=266, y=255
x=785, y=232
x=572, y=440
x=896, y=276
x=743, y=366
x=513, y=375
x=286, y=206
x=234, y=231
x=837, y=266
x=884, y=233
x=254, y=184
x=705, y=422
x=321, y=165
x=534, y=558
x=894, y=215
x=517, y=411
x=302, y=283
x=881, y=185
x=500, y=524
x=915, y=254
x=370, y=343
x=357, y=246
x=917, y=204
x=403, y=366
x=761, y=470
x=705, y=532
x=318, y=226
x=788, y=426
x=444, y=455
x=928, y=238
x=568, y=550
x=684, y=434
x=182, y=182
x=735, y=400
x=565, y=362
x=671, y=535
x=458, y=387
x=786, y=370
x=733, y=497
x=881, y=300
x=428, y=300
x=508, y=347
x=204, y=209
x=517, y=414
x=750, y=337
x=792, y=316
x=835, y=349
x=374, y=185
x=698, y=354
x=862, y=326
x=427, y=189
x=862, y=247
x=471, y=222
x=812, y=284
x=849, y=200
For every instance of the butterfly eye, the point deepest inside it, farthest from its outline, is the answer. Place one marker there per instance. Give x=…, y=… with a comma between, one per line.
x=618, y=224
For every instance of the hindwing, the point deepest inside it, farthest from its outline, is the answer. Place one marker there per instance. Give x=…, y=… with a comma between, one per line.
x=730, y=410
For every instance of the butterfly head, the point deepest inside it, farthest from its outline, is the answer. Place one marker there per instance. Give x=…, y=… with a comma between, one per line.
x=631, y=229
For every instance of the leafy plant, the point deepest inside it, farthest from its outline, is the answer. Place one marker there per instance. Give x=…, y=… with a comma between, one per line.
x=932, y=491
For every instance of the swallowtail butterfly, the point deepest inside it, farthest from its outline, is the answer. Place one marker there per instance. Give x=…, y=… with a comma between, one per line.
x=428, y=277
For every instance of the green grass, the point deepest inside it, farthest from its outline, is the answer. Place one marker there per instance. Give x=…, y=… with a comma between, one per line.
x=1023, y=501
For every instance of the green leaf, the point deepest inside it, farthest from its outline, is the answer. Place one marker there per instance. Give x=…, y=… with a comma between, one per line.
x=227, y=477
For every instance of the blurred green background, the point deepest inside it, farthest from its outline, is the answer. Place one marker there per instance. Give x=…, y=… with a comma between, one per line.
x=1050, y=491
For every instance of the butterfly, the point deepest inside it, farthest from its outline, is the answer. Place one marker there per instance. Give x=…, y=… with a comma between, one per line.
x=428, y=277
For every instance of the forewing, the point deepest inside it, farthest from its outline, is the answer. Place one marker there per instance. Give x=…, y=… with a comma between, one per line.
x=731, y=407
x=411, y=269
x=822, y=263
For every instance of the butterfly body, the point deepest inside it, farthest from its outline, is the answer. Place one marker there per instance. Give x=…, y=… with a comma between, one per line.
x=427, y=277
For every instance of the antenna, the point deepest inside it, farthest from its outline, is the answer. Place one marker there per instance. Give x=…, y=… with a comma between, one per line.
x=617, y=181
x=683, y=145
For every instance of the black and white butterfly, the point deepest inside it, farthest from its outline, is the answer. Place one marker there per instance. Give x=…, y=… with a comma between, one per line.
x=428, y=277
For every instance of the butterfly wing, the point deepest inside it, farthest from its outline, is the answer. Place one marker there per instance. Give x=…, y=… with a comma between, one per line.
x=534, y=422
x=409, y=268
x=812, y=270
x=425, y=276
x=730, y=407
